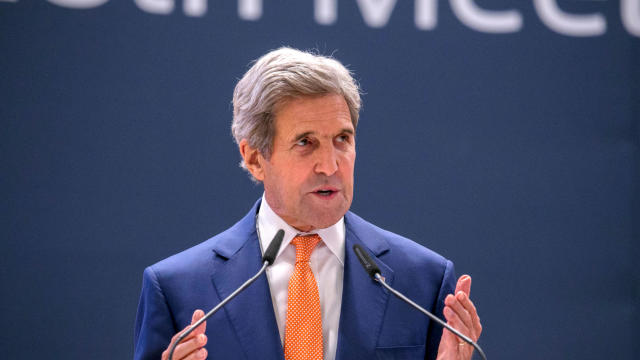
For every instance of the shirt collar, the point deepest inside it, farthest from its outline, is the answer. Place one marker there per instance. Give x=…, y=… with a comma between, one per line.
x=269, y=223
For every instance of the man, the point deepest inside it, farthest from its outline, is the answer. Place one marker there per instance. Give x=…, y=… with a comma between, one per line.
x=295, y=118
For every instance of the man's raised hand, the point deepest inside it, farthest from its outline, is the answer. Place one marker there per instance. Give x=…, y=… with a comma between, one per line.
x=462, y=315
x=191, y=347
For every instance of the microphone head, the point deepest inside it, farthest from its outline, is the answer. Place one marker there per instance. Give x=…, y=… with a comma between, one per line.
x=272, y=250
x=367, y=262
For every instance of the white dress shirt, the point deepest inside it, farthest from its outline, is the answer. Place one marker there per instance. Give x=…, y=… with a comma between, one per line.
x=327, y=264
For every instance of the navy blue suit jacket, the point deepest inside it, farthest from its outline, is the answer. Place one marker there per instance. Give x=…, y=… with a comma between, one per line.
x=373, y=323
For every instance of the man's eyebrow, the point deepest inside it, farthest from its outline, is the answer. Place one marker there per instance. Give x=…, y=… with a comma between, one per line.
x=302, y=136
x=307, y=133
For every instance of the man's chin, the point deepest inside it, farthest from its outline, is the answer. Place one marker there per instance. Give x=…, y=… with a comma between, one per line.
x=323, y=218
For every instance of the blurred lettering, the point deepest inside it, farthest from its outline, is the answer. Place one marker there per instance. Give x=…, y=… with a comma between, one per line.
x=78, y=4
x=569, y=24
x=376, y=13
x=470, y=14
x=630, y=11
x=325, y=12
x=426, y=14
x=194, y=8
x=161, y=7
x=250, y=9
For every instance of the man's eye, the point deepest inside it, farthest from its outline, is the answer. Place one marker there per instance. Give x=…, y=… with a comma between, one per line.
x=343, y=138
x=303, y=142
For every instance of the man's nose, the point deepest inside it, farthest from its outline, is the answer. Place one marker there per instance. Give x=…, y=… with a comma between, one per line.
x=326, y=161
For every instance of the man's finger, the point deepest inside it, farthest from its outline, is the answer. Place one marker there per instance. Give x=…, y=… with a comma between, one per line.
x=197, y=315
x=190, y=347
x=455, y=304
x=197, y=355
x=454, y=320
x=471, y=308
x=466, y=302
x=464, y=284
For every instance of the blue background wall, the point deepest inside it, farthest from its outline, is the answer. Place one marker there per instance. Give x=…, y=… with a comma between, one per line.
x=514, y=154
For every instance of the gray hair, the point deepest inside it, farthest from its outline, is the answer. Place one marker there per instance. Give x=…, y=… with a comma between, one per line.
x=280, y=75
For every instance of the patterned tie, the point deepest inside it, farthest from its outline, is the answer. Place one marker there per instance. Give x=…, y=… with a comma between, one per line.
x=303, y=330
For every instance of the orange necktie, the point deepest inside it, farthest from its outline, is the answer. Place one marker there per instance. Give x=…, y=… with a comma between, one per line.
x=303, y=330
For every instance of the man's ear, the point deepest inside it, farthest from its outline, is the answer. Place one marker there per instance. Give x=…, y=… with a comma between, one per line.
x=253, y=159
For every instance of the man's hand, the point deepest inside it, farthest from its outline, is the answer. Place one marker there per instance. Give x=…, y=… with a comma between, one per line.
x=461, y=314
x=191, y=348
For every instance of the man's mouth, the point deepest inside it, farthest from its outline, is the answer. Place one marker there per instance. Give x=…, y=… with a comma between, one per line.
x=326, y=192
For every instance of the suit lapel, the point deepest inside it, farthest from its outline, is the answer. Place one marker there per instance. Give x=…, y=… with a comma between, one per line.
x=251, y=313
x=363, y=300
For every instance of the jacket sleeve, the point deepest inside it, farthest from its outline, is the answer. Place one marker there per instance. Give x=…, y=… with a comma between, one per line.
x=447, y=287
x=154, y=323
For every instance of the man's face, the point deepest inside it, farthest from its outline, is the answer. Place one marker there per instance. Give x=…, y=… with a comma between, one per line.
x=308, y=179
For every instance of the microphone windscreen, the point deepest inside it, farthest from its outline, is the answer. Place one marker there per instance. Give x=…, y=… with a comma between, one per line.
x=367, y=262
x=274, y=246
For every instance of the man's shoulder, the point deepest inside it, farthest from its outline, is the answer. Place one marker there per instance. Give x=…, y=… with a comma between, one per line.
x=201, y=256
x=188, y=259
x=392, y=247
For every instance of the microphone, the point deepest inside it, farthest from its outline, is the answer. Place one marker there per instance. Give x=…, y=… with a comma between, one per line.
x=374, y=272
x=272, y=250
x=267, y=260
